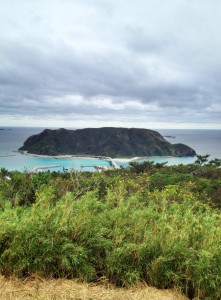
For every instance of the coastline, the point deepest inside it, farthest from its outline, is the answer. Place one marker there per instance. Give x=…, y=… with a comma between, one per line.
x=116, y=159
x=137, y=158
x=83, y=157
x=27, y=161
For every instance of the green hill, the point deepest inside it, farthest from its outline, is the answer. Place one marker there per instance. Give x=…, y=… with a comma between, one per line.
x=107, y=141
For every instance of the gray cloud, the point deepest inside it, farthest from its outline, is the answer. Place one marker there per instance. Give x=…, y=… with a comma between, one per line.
x=150, y=63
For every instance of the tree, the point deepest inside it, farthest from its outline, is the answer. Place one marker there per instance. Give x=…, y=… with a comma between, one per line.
x=202, y=159
x=4, y=172
x=216, y=162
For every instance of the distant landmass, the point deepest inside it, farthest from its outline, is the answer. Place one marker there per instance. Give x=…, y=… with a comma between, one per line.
x=107, y=141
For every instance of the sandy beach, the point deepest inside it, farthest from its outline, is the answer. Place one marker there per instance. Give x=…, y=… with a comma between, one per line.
x=116, y=159
x=128, y=159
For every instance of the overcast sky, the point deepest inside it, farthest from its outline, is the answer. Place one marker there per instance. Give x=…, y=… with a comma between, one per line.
x=93, y=63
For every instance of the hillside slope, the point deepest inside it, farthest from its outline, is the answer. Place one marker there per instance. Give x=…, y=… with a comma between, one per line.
x=107, y=141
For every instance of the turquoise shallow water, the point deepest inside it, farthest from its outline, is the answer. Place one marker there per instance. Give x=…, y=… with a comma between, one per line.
x=203, y=141
x=26, y=163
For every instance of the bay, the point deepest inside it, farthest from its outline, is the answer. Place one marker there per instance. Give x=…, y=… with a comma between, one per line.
x=12, y=138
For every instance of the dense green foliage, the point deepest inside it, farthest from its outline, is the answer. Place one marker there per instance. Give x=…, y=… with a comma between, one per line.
x=151, y=223
x=107, y=141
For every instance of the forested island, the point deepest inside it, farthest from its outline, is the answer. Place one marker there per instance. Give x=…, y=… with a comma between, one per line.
x=107, y=141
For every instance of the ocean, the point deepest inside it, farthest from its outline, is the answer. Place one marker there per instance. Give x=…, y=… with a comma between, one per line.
x=12, y=138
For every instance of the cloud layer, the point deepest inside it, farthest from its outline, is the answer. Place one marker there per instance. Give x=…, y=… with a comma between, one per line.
x=121, y=63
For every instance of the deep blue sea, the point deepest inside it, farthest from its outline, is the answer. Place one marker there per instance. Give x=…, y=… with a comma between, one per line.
x=12, y=138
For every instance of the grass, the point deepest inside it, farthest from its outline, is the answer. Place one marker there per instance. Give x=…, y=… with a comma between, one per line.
x=166, y=239
x=39, y=288
x=126, y=229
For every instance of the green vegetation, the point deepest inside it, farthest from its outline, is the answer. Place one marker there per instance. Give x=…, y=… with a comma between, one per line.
x=107, y=141
x=150, y=222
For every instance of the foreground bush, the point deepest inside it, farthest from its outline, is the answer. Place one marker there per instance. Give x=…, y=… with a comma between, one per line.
x=166, y=238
